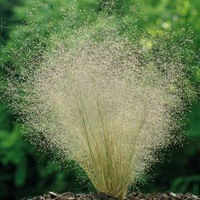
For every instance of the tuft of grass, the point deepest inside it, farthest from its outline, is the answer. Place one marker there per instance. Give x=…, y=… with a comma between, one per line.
x=104, y=101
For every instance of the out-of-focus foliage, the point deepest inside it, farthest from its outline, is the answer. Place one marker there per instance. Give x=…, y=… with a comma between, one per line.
x=6, y=17
x=182, y=14
x=185, y=183
x=23, y=170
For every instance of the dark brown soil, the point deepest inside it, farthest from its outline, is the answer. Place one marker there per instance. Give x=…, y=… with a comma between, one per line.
x=133, y=196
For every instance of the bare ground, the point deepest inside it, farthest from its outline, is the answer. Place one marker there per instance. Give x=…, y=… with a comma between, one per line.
x=132, y=196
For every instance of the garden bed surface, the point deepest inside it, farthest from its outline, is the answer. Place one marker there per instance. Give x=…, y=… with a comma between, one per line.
x=132, y=196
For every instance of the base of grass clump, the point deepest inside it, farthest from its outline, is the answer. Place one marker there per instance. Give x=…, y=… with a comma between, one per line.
x=132, y=196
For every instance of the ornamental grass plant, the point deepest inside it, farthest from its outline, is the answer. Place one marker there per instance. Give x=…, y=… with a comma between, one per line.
x=103, y=99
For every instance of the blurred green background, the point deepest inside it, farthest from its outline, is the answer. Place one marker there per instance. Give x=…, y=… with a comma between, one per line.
x=25, y=171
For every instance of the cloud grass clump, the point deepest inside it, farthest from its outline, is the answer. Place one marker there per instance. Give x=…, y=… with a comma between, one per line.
x=103, y=100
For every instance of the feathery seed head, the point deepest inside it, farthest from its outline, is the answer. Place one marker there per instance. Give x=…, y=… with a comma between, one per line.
x=105, y=101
